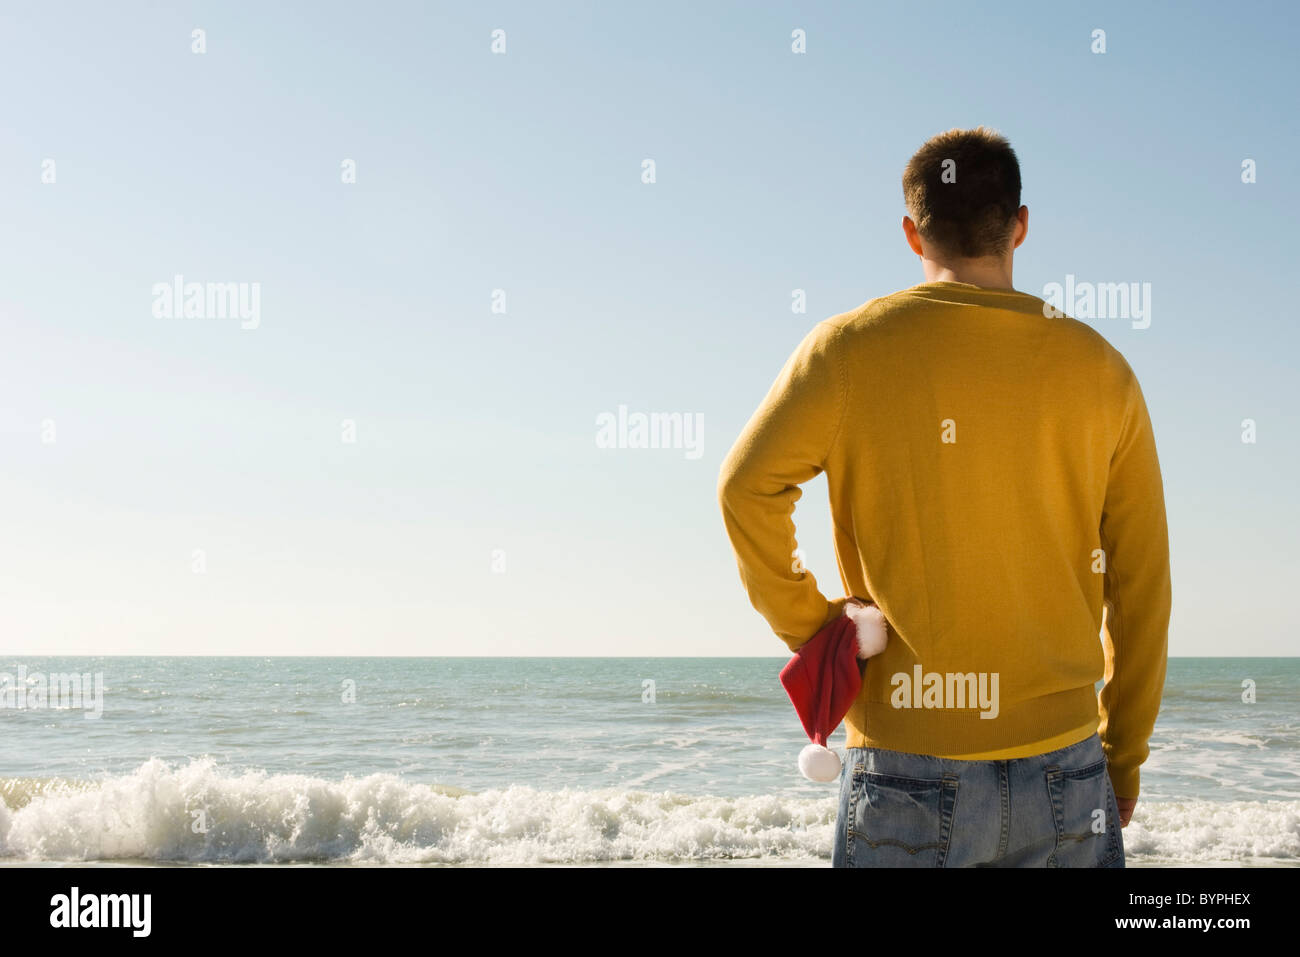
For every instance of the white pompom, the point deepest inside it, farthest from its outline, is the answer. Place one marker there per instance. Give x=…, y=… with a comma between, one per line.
x=819, y=764
x=873, y=633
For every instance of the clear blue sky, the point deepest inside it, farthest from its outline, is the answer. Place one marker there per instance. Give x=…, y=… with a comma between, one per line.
x=476, y=431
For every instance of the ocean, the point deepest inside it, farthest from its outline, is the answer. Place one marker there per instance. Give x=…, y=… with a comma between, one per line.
x=534, y=761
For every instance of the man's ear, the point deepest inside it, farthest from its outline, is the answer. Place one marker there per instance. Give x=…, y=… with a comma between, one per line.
x=913, y=237
x=1022, y=226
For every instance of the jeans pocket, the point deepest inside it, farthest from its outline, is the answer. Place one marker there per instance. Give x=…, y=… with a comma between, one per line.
x=896, y=821
x=1086, y=817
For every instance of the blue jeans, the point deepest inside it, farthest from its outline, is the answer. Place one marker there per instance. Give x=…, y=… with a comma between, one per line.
x=913, y=810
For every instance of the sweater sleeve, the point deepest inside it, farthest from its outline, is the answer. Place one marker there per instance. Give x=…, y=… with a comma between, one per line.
x=1135, y=540
x=785, y=444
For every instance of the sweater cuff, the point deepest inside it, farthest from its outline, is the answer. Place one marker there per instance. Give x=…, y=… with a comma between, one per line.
x=1125, y=782
x=833, y=610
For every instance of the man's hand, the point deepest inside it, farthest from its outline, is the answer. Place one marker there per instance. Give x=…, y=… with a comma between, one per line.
x=1126, y=806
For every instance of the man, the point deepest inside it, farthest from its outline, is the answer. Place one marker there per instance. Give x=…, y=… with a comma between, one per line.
x=995, y=490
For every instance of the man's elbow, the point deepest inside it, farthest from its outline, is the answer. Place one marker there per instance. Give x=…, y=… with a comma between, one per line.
x=731, y=482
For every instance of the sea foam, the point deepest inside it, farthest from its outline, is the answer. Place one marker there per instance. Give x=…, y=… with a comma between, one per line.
x=201, y=813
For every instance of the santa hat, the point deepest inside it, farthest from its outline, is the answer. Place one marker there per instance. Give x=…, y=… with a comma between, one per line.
x=823, y=679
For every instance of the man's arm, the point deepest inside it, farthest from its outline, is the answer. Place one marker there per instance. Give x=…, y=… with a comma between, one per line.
x=1135, y=538
x=784, y=445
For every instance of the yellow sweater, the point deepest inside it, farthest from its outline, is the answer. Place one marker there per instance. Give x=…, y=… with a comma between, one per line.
x=993, y=485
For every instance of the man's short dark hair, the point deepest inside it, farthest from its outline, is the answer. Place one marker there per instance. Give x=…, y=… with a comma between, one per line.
x=966, y=207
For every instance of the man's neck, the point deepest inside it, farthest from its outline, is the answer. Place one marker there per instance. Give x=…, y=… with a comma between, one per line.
x=988, y=273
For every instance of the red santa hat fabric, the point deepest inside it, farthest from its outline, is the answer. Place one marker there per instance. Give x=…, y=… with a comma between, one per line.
x=824, y=677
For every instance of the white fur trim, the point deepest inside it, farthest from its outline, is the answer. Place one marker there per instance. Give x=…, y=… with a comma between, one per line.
x=819, y=764
x=873, y=632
